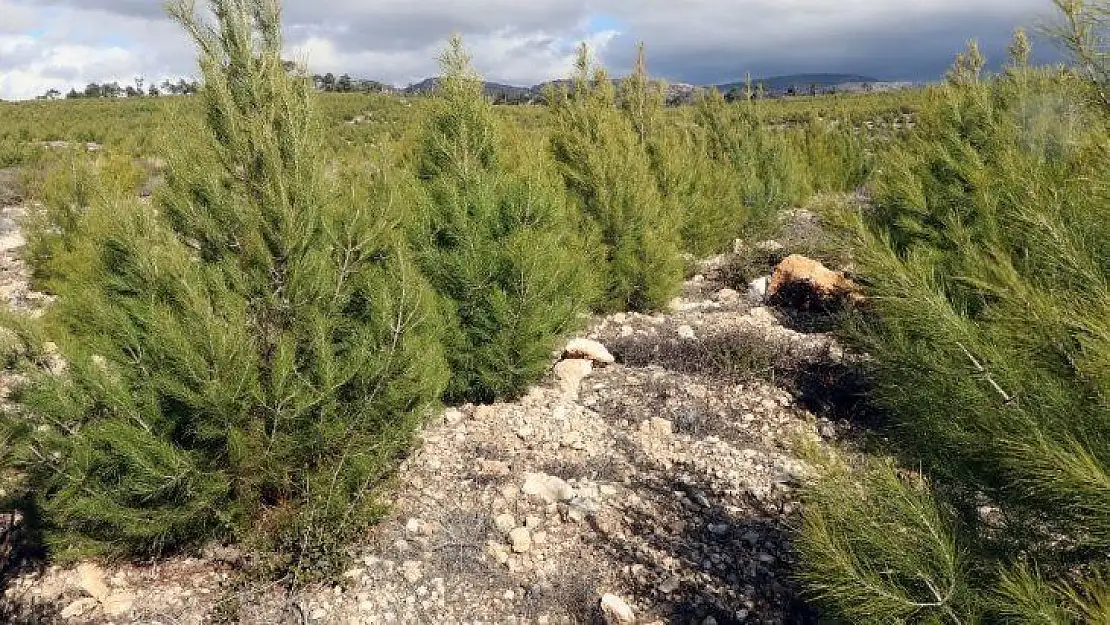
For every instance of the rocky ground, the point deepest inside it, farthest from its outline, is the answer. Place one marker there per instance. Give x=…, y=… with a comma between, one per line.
x=654, y=481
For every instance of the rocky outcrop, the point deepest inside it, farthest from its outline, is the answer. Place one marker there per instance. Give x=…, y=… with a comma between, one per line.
x=805, y=284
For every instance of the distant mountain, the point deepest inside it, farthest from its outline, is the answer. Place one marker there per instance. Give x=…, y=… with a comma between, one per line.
x=799, y=84
x=799, y=81
x=496, y=91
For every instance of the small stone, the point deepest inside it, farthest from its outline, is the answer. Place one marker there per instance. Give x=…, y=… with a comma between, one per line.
x=687, y=333
x=354, y=573
x=119, y=604
x=521, y=540
x=533, y=523
x=570, y=373
x=548, y=487
x=411, y=571
x=91, y=580
x=589, y=350
x=453, y=416
x=726, y=296
x=318, y=614
x=581, y=509
x=79, y=607
x=505, y=523
x=413, y=526
x=757, y=290
x=616, y=611
x=670, y=585
x=657, y=426
x=498, y=552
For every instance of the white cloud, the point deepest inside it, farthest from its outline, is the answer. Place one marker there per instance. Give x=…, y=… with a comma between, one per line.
x=522, y=42
x=502, y=56
x=61, y=65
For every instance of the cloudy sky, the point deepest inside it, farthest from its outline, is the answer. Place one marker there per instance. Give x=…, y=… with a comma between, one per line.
x=63, y=43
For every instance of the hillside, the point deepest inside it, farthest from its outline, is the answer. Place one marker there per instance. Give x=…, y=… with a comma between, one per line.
x=496, y=91
x=683, y=92
x=800, y=81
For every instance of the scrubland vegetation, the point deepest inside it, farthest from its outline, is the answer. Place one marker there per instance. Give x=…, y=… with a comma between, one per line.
x=984, y=252
x=248, y=353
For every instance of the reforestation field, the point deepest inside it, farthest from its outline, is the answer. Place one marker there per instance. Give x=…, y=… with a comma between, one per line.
x=240, y=321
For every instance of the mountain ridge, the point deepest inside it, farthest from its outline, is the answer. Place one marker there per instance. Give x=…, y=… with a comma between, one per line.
x=788, y=84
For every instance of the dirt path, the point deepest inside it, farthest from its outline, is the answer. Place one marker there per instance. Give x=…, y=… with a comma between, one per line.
x=667, y=480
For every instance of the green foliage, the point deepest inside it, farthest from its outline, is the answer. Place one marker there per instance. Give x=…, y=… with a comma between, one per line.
x=779, y=165
x=1024, y=596
x=500, y=246
x=1083, y=33
x=878, y=549
x=986, y=257
x=968, y=67
x=65, y=186
x=608, y=171
x=696, y=189
x=768, y=170
x=248, y=355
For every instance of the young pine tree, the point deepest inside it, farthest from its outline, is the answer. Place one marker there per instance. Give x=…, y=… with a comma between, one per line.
x=768, y=170
x=251, y=352
x=986, y=254
x=608, y=171
x=696, y=191
x=501, y=248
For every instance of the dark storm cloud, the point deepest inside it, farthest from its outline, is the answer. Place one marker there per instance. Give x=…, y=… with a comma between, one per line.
x=526, y=41
x=894, y=40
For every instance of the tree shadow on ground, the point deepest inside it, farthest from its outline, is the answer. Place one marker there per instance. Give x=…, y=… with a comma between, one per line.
x=829, y=387
x=752, y=579
x=732, y=566
x=22, y=551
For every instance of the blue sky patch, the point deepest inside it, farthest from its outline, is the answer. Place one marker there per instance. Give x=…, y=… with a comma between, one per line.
x=602, y=22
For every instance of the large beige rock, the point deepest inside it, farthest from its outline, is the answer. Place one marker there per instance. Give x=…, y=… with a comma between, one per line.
x=589, y=350
x=806, y=284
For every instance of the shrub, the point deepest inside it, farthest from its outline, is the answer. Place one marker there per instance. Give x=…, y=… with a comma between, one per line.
x=878, y=549
x=64, y=187
x=697, y=190
x=608, y=172
x=500, y=247
x=769, y=171
x=246, y=356
x=986, y=255
x=838, y=159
